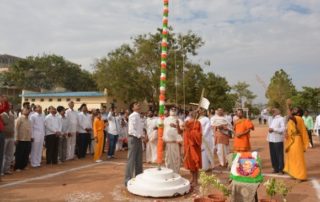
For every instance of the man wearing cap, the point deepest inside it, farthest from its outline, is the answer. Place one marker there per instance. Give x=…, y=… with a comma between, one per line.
x=172, y=139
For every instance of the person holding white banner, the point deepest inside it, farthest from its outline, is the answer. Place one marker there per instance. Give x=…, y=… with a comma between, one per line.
x=207, y=146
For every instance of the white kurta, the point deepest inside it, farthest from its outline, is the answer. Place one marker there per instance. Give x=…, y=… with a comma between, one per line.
x=207, y=146
x=38, y=133
x=72, y=116
x=151, y=147
x=172, y=150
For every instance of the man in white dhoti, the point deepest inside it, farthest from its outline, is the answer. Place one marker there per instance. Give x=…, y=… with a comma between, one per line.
x=151, y=148
x=207, y=146
x=172, y=139
x=38, y=132
x=72, y=116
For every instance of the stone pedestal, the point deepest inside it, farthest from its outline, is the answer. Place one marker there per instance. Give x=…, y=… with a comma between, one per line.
x=158, y=183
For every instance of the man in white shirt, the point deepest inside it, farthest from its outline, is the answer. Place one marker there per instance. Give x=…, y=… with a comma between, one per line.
x=53, y=130
x=135, y=130
x=72, y=116
x=65, y=132
x=207, y=146
x=104, y=117
x=84, y=129
x=38, y=132
x=151, y=147
x=172, y=139
x=317, y=126
x=113, y=132
x=275, y=139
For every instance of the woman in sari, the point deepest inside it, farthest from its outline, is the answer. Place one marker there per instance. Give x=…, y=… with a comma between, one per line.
x=296, y=143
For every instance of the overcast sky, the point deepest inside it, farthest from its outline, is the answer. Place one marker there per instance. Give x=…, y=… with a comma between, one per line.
x=243, y=38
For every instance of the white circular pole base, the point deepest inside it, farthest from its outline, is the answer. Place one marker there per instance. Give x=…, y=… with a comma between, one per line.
x=158, y=183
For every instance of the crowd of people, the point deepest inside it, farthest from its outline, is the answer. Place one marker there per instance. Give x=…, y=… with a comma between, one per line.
x=191, y=139
x=63, y=133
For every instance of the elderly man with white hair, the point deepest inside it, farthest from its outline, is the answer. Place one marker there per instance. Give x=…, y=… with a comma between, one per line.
x=172, y=139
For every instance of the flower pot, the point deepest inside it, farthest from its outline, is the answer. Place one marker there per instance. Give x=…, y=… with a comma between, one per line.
x=217, y=197
x=268, y=200
x=203, y=199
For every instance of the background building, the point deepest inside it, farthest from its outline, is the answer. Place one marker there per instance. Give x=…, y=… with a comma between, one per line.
x=93, y=99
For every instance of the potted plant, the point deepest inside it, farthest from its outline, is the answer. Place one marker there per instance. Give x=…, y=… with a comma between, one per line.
x=283, y=190
x=274, y=187
x=221, y=188
x=205, y=182
x=270, y=186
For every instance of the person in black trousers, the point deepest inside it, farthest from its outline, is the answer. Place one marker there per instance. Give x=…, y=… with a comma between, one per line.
x=23, y=140
x=53, y=131
x=275, y=139
x=85, y=129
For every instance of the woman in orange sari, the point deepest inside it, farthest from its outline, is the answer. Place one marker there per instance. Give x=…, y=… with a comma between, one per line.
x=98, y=128
x=192, y=139
x=296, y=143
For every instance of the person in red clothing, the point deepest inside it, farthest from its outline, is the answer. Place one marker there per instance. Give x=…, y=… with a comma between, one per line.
x=4, y=106
x=192, y=139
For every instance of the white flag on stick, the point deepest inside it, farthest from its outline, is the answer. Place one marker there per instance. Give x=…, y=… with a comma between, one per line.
x=204, y=103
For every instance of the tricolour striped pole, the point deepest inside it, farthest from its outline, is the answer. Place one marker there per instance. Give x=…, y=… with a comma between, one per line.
x=163, y=77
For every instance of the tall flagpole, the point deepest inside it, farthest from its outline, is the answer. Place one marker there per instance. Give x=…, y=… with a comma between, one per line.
x=162, y=96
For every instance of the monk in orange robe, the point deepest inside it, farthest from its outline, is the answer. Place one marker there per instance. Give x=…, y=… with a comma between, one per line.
x=98, y=128
x=296, y=143
x=242, y=128
x=192, y=139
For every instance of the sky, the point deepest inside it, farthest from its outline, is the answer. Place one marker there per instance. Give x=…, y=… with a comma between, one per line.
x=244, y=39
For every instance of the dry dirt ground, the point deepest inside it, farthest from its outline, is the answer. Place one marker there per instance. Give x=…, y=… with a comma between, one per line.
x=83, y=180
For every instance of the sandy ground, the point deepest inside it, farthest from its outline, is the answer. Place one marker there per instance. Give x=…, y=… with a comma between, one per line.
x=83, y=180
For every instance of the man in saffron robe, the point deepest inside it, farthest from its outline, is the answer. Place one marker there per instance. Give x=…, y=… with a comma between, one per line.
x=296, y=143
x=242, y=128
x=192, y=139
x=98, y=133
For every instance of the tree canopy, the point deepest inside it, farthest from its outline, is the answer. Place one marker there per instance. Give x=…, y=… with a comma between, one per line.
x=47, y=72
x=132, y=72
x=244, y=94
x=280, y=89
x=308, y=98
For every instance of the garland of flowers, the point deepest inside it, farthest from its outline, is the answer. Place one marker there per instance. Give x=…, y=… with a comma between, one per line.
x=256, y=178
x=163, y=77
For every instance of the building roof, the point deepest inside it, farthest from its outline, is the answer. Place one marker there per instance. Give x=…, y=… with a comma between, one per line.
x=6, y=60
x=65, y=94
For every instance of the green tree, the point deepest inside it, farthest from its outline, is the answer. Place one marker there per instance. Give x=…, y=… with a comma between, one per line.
x=133, y=72
x=280, y=89
x=243, y=93
x=308, y=98
x=218, y=92
x=47, y=72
